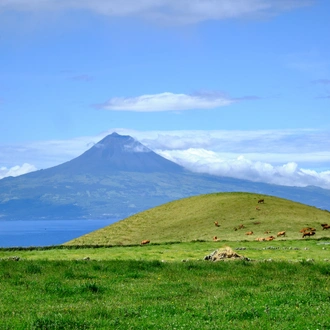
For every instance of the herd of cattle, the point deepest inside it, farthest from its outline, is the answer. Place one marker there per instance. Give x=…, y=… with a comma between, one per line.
x=306, y=232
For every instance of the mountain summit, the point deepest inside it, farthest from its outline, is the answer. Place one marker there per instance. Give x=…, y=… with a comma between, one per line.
x=119, y=153
x=118, y=177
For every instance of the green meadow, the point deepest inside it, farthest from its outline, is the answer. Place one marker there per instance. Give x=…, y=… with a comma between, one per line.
x=108, y=280
x=138, y=294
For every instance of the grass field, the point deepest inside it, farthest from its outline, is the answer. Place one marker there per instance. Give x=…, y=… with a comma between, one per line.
x=133, y=294
x=107, y=280
x=278, y=250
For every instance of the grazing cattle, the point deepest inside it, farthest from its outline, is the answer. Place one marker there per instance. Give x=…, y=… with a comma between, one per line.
x=270, y=238
x=309, y=233
x=258, y=208
x=257, y=223
x=267, y=232
x=241, y=226
x=216, y=223
x=215, y=238
x=306, y=229
x=261, y=201
x=146, y=241
x=326, y=227
x=324, y=224
x=281, y=233
x=249, y=233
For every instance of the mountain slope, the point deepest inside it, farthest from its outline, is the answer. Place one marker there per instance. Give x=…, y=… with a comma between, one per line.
x=119, y=177
x=193, y=219
x=112, y=154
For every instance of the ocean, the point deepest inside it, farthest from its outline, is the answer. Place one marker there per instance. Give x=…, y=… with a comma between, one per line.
x=46, y=233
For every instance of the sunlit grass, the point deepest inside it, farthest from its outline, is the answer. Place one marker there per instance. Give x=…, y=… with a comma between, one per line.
x=135, y=294
x=286, y=250
x=193, y=218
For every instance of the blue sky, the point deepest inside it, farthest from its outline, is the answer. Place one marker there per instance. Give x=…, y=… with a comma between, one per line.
x=237, y=88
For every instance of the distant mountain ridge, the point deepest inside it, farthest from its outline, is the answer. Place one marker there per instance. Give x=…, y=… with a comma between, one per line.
x=118, y=177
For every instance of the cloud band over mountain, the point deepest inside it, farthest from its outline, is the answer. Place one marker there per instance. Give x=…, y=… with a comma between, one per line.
x=273, y=156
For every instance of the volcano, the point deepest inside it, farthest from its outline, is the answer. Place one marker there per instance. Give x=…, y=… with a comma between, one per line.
x=118, y=177
x=115, y=153
x=121, y=153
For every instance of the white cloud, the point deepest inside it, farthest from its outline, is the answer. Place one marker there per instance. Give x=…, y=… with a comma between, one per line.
x=284, y=157
x=16, y=170
x=166, y=11
x=288, y=174
x=166, y=102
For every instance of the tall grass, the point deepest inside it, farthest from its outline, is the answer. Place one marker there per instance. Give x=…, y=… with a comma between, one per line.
x=134, y=294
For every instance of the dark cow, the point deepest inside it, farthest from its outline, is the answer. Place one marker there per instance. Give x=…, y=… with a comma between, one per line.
x=309, y=233
x=261, y=201
x=326, y=227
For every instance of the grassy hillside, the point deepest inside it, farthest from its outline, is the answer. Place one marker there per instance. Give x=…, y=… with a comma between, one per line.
x=193, y=218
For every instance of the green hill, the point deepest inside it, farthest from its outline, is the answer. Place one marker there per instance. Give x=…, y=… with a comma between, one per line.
x=194, y=218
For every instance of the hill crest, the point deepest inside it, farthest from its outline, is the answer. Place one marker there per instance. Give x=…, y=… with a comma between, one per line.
x=194, y=218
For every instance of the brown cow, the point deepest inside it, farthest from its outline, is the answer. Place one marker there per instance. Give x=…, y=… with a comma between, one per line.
x=267, y=232
x=324, y=224
x=241, y=226
x=281, y=233
x=326, y=227
x=249, y=233
x=261, y=201
x=215, y=238
x=270, y=238
x=146, y=241
x=305, y=229
x=258, y=208
x=309, y=233
x=216, y=223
